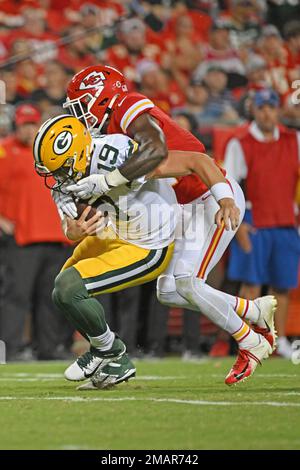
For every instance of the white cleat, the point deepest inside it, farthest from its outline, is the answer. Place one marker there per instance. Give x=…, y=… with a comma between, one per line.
x=86, y=365
x=266, y=325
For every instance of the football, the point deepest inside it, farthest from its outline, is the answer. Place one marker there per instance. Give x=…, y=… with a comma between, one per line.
x=81, y=206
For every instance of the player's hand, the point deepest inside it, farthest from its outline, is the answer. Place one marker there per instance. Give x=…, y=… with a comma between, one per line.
x=229, y=214
x=243, y=237
x=65, y=204
x=93, y=185
x=78, y=229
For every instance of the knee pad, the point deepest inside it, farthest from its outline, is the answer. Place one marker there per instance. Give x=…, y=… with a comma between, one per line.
x=165, y=284
x=166, y=290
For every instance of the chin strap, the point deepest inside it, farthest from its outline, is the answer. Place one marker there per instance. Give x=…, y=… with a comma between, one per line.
x=108, y=111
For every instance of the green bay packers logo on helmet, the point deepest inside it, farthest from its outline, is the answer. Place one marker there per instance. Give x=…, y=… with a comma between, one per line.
x=62, y=149
x=62, y=142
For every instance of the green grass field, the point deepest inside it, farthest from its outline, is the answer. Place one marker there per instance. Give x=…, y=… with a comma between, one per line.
x=170, y=405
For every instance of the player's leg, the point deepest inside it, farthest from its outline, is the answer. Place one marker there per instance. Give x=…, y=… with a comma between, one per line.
x=121, y=265
x=84, y=313
x=166, y=286
x=204, y=260
x=191, y=272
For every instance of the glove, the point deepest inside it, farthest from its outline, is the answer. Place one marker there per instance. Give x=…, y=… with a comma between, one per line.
x=65, y=204
x=93, y=185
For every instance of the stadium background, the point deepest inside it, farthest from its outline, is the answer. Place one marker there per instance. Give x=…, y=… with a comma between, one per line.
x=200, y=61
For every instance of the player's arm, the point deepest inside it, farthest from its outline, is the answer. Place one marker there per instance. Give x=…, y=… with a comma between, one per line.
x=181, y=163
x=152, y=149
x=151, y=152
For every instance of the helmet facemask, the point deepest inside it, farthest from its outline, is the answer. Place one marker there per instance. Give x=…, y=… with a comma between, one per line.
x=64, y=174
x=81, y=108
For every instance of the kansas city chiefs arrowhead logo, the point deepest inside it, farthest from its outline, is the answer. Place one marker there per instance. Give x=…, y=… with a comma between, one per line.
x=92, y=80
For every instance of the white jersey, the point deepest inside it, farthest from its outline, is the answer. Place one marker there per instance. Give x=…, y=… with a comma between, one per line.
x=142, y=212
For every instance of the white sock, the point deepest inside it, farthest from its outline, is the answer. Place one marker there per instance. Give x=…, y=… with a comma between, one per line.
x=245, y=336
x=103, y=342
x=246, y=309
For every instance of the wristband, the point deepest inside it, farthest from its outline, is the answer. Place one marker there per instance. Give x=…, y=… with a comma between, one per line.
x=221, y=191
x=115, y=178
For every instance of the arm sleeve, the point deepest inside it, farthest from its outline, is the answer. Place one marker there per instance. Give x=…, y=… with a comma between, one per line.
x=234, y=161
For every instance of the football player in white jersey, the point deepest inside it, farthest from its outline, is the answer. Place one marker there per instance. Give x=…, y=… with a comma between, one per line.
x=183, y=284
x=139, y=225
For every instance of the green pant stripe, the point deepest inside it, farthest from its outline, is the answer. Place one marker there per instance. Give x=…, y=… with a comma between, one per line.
x=125, y=279
x=119, y=271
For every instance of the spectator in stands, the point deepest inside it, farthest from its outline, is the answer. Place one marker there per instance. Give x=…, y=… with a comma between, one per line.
x=220, y=107
x=158, y=85
x=291, y=33
x=189, y=122
x=257, y=74
x=54, y=91
x=75, y=55
x=34, y=30
x=27, y=71
x=281, y=12
x=266, y=250
x=271, y=48
x=184, y=51
x=132, y=49
x=243, y=23
x=197, y=95
x=35, y=247
x=219, y=52
x=99, y=37
x=12, y=95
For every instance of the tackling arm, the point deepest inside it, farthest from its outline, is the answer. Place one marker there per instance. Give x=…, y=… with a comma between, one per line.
x=152, y=151
x=181, y=163
x=152, y=148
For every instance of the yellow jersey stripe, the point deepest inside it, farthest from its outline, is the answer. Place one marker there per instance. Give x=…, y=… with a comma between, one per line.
x=133, y=111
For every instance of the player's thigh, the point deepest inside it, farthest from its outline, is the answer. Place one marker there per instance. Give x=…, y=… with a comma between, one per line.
x=200, y=260
x=124, y=266
x=91, y=247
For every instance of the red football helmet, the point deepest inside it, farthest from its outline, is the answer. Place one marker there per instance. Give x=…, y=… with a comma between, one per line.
x=93, y=93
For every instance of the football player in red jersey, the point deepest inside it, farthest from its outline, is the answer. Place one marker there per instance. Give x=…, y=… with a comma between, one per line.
x=98, y=96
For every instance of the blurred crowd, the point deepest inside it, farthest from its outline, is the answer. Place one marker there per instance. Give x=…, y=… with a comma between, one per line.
x=202, y=62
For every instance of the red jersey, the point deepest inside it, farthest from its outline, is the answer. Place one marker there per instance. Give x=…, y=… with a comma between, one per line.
x=24, y=198
x=272, y=177
x=133, y=105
